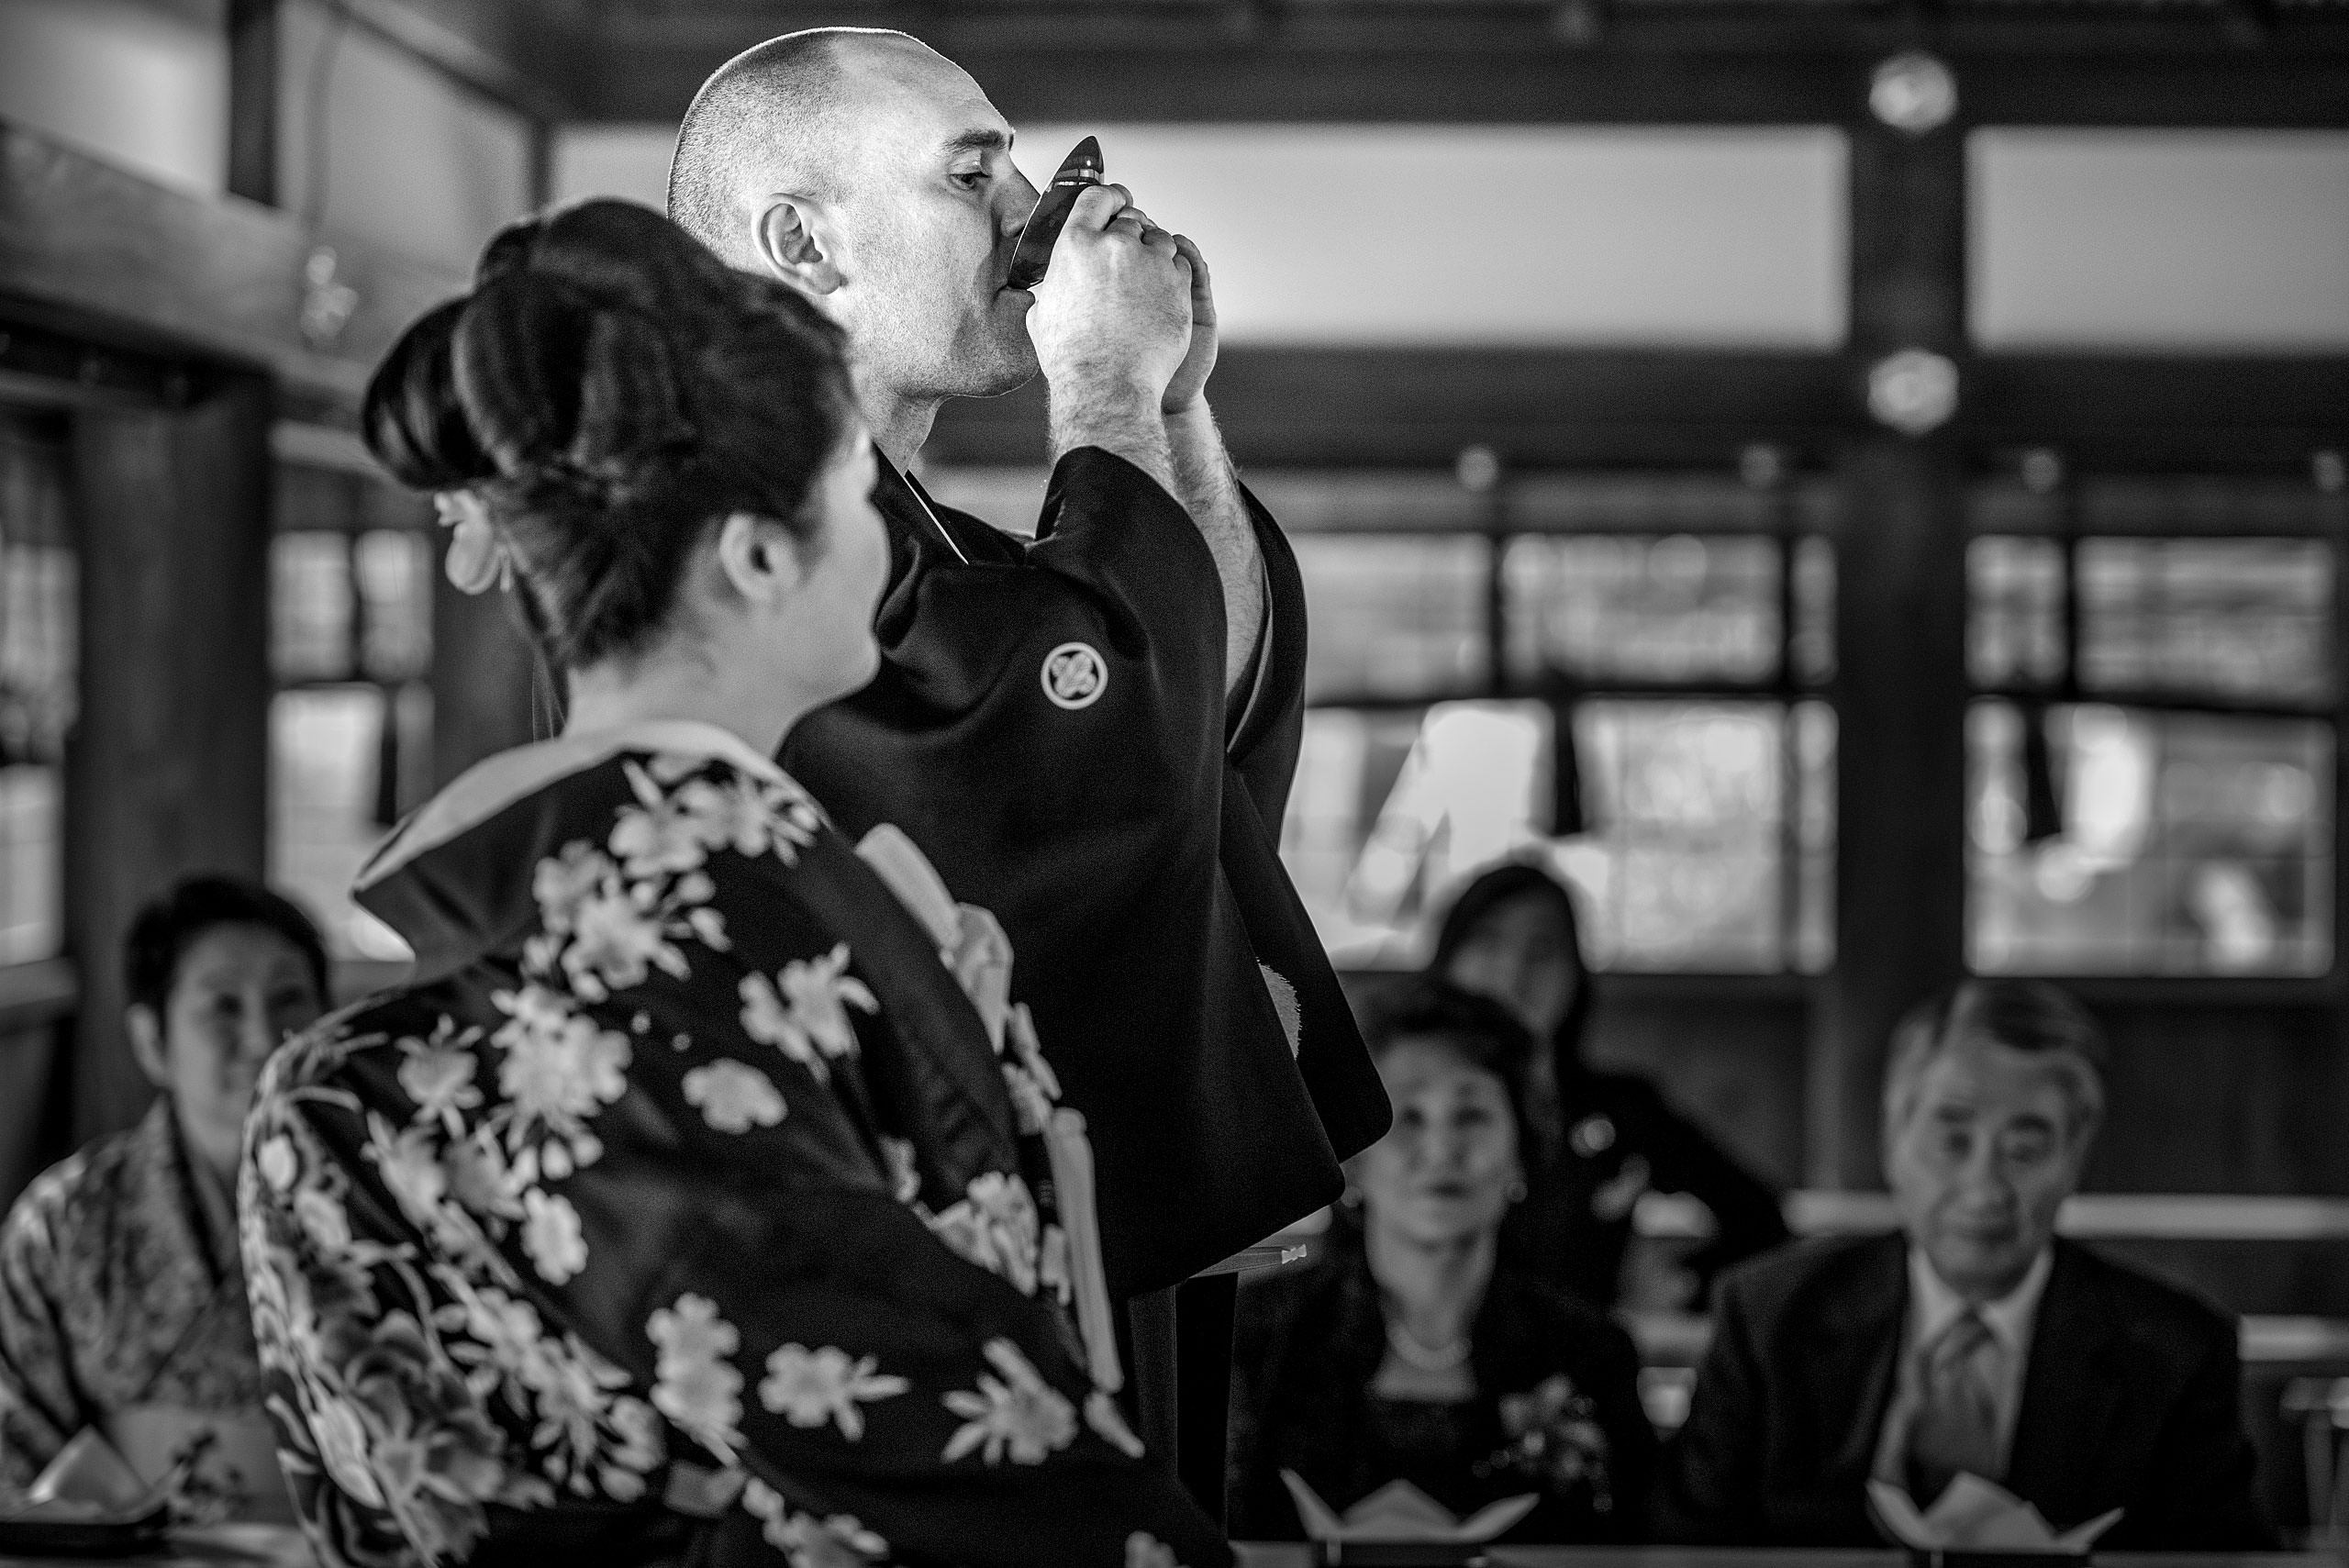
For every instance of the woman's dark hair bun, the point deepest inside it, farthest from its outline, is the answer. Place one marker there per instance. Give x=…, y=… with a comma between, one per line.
x=565, y=391
x=612, y=390
x=412, y=418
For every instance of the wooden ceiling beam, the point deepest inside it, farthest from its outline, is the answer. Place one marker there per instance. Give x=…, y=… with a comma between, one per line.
x=1652, y=63
x=115, y=259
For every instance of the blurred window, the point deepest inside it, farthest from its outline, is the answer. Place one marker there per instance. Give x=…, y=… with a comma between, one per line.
x=39, y=684
x=1394, y=617
x=1696, y=814
x=2140, y=239
x=350, y=723
x=2182, y=824
x=1707, y=837
x=2191, y=844
x=1677, y=608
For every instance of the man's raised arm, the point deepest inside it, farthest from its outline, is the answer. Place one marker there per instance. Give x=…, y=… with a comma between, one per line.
x=1111, y=325
x=1205, y=483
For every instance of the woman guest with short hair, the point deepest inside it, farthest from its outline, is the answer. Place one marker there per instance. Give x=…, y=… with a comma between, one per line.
x=1594, y=1141
x=701, y=1198
x=1411, y=1351
x=122, y=1298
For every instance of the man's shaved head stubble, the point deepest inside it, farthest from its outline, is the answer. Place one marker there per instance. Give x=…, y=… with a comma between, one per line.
x=872, y=172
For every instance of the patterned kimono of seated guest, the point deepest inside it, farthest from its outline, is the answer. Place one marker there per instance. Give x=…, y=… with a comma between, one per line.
x=122, y=1300
x=683, y=1204
x=1338, y=1375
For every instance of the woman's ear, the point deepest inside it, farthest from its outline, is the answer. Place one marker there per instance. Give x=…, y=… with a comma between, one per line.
x=760, y=558
x=146, y=1043
x=792, y=244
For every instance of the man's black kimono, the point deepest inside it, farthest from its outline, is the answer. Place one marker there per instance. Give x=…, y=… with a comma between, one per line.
x=1049, y=726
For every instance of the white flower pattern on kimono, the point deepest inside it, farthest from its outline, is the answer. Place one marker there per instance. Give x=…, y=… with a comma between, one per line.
x=437, y=1074
x=733, y=1096
x=808, y=1021
x=995, y=1226
x=275, y=1160
x=1018, y=1414
x=618, y=941
x=567, y=880
x=1109, y=1423
x=551, y=1237
x=559, y=1068
x=321, y=1214
x=905, y=1171
x=672, y=832
x=808, y=1388
x=484, y=1180
x=807, y=1541
x=696, y=1386
x=1033, y=1086
x=410, y=1167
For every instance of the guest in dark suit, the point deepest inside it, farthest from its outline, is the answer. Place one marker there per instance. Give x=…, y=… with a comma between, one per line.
x=1975, y=1342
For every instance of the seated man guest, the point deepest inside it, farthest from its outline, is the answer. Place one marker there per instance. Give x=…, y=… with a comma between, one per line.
x=122, y=1301
x=1975, y=1342
x=1410, y=1351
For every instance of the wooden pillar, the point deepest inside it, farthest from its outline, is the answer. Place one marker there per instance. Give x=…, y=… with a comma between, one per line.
x=169, y=759
x=1900, y=690
x=254, y=92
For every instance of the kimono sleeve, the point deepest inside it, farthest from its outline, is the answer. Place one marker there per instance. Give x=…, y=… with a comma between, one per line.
x=38, y=1409
x=1267, y=720
x=848, y=1301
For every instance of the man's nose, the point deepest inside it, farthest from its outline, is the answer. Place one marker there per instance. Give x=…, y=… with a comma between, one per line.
x=1016, y=198
x=1981, y=1177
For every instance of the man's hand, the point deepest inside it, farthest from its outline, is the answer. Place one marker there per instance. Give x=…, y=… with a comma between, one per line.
x=1112, y=317
x=1189, y=384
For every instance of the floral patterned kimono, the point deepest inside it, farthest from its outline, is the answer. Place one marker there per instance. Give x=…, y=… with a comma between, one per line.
x=122, y=1307
x=700, y=1198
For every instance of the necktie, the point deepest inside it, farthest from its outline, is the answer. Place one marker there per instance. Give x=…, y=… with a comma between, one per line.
x=1957, y=1425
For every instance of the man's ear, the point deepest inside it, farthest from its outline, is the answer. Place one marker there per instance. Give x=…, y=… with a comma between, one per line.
x=791, y=239
x=146, y=1043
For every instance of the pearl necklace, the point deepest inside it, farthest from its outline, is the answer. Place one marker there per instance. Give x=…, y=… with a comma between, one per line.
x=1441, y=1358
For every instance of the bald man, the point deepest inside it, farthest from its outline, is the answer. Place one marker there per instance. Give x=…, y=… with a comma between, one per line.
x=1092, y=735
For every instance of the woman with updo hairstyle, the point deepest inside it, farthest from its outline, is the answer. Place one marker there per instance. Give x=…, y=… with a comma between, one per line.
x=700, y=1198
x=1596, y=1140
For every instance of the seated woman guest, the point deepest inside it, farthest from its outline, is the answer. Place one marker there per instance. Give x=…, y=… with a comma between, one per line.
x=1410, y=1350
x=1595, y=1141
x=683, y=1204
x=122, y=1302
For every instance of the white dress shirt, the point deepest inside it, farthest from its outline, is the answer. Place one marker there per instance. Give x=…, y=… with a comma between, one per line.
x=1932, y=1308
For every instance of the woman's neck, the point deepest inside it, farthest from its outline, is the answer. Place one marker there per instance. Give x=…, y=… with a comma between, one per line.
x=728, y=693
x=1432, y=1288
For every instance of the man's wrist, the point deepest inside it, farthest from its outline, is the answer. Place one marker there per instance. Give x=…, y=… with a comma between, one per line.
x=1135, y=434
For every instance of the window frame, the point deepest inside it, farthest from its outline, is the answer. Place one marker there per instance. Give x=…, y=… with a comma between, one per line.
x=1793, y=501
x=2065, y=521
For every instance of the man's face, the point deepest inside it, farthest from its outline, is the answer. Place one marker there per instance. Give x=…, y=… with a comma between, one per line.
x=930, y=212
x=1984, y=1159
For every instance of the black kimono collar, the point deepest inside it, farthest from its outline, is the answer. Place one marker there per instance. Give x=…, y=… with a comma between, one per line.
x=454, y=879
